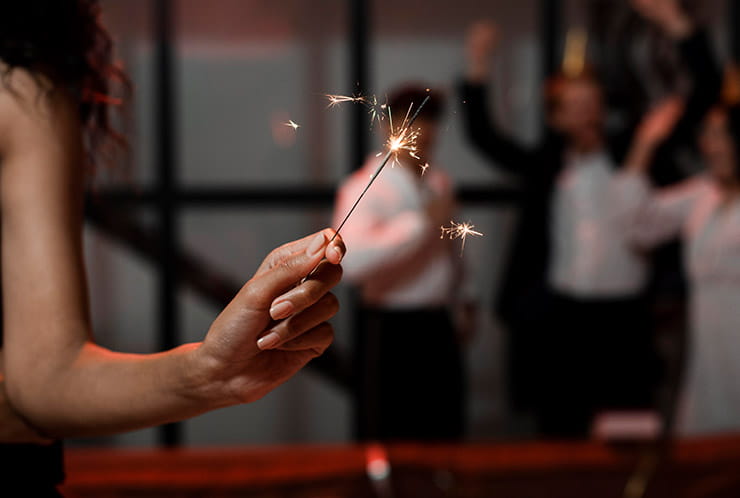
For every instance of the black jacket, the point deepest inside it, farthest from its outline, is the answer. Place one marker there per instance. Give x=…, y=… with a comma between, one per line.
x=538, y=167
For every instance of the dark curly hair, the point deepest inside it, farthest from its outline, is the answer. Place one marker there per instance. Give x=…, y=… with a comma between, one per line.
x=64, y=42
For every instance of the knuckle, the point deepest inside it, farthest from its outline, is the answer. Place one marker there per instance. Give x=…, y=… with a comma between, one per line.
x=250, y=293
x=286, y=264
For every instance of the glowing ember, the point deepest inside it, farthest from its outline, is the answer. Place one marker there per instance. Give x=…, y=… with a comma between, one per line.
x=402, y=139
x=424, y=167
x=459, y=231
x=292, y=124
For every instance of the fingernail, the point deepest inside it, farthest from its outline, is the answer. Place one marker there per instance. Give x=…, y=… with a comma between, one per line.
x=269, y=341
x=316, y=245
x=338, y=253
x=281, y=310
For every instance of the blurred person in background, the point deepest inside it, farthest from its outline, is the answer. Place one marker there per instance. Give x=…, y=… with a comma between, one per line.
x=55, y=74
x=573, y=295
x=414, y=310
x=705, y=212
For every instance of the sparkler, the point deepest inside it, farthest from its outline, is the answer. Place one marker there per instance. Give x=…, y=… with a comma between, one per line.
x=293, y=124
x=459, y=231
x=403, y=139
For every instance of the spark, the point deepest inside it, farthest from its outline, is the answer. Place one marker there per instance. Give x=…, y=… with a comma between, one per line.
x=292, y=124
x=459, y=231
x=424, y=167
x=335, y=100
x=375, y=108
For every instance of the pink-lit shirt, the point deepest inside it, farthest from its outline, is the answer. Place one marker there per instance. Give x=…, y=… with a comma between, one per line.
x=395, y=254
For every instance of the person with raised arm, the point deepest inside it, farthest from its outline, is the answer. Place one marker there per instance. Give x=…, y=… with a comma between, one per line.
x=573, y=294
x=705, y=211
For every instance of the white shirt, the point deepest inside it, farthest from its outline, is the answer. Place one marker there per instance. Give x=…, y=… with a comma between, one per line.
x=394, y=252
x=591, y=256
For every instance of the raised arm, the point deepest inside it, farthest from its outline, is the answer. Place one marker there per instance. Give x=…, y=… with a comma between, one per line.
x=651, y=216
x=698, y=57
x=479, y=126
x=56, y=377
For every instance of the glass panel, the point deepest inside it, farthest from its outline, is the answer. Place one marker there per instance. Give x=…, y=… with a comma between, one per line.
x=247, y=68
x=425, y=44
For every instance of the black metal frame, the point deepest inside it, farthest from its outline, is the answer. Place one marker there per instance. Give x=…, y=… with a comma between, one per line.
x=108, y=210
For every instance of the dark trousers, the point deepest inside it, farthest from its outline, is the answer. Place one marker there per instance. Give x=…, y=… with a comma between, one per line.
x=410, y=381
x=594, y=355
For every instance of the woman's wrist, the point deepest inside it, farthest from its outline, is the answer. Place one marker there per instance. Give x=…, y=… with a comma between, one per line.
x=200, y=380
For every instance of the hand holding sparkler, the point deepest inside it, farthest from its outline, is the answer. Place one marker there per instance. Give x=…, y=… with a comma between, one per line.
x=272, y=327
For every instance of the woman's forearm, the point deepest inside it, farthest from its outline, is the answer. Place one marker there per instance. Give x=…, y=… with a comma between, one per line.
x=105, y=393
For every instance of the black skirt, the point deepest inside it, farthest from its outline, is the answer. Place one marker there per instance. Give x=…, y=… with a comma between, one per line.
x=410, y=378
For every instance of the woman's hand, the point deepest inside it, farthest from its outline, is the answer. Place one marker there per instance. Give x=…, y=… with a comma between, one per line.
x=277, y=322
